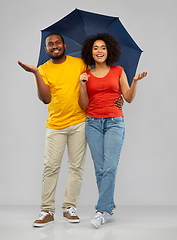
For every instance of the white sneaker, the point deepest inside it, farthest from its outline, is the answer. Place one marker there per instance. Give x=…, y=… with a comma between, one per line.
x=97, y=219
x=108, y=217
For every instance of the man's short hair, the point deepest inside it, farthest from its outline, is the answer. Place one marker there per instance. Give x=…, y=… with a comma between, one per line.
x=51, y=34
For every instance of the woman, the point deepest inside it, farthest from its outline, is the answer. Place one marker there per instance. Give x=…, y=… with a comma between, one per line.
x=99, y=89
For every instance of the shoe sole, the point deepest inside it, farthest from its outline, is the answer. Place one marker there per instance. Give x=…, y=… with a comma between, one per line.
x=94, y=224
x=42, y=224
x=110, y=221
x=71, y=220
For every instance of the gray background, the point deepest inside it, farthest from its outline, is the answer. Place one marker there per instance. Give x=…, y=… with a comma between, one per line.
x=148, y=163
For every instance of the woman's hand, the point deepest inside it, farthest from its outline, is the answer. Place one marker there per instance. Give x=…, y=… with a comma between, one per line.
x=130, y=92
x=84, y=77
x=140, y=76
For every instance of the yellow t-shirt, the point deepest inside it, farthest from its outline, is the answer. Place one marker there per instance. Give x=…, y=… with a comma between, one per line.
x=63, y=80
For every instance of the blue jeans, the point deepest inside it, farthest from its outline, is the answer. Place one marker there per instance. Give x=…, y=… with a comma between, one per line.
x=105, y=137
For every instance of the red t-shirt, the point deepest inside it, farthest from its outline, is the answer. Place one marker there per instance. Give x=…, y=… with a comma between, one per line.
x=102, y=94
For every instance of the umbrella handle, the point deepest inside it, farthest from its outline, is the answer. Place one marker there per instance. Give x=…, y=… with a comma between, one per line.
x=86, y=72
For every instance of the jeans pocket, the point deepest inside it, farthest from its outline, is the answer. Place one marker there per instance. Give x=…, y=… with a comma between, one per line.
x=89, y=119
x=118, y=119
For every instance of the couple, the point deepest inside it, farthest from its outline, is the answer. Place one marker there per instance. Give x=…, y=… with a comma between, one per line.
x=99, y=94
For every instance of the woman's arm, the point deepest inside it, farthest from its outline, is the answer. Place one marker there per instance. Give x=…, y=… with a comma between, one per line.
x=130, y=92
x=83, y=93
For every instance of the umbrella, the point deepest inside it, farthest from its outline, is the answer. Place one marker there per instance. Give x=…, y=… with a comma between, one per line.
x=78, y=25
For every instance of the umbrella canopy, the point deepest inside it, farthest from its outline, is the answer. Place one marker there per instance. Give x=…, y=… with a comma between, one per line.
x=78, y=25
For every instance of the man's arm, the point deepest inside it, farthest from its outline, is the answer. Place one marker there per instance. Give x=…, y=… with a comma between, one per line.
x=119, y=102
x=43, y=89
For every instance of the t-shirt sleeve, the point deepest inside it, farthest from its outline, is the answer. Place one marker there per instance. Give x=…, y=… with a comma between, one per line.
x=42, y=75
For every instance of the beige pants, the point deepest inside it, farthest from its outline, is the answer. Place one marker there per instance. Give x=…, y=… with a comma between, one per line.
x=56, y=141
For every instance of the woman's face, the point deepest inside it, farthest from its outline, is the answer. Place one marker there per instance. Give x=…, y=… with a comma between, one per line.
x=99, y=51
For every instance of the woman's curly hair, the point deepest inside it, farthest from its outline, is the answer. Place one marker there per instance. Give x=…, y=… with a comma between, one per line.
x=113, y=48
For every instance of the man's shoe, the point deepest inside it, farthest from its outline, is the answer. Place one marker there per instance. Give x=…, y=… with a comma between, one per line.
x=108, y=217
x=97, y=219
x=70, y=215
x=45, y=218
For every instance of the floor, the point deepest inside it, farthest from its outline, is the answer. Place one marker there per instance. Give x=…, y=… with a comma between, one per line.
x=132, y=223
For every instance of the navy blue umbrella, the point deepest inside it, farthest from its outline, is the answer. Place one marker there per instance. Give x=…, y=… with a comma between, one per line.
x=78, y=25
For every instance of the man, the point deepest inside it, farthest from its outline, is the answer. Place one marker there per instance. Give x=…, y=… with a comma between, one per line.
x=58, y=86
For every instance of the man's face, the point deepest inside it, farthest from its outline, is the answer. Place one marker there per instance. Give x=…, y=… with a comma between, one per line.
x=55, y=47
